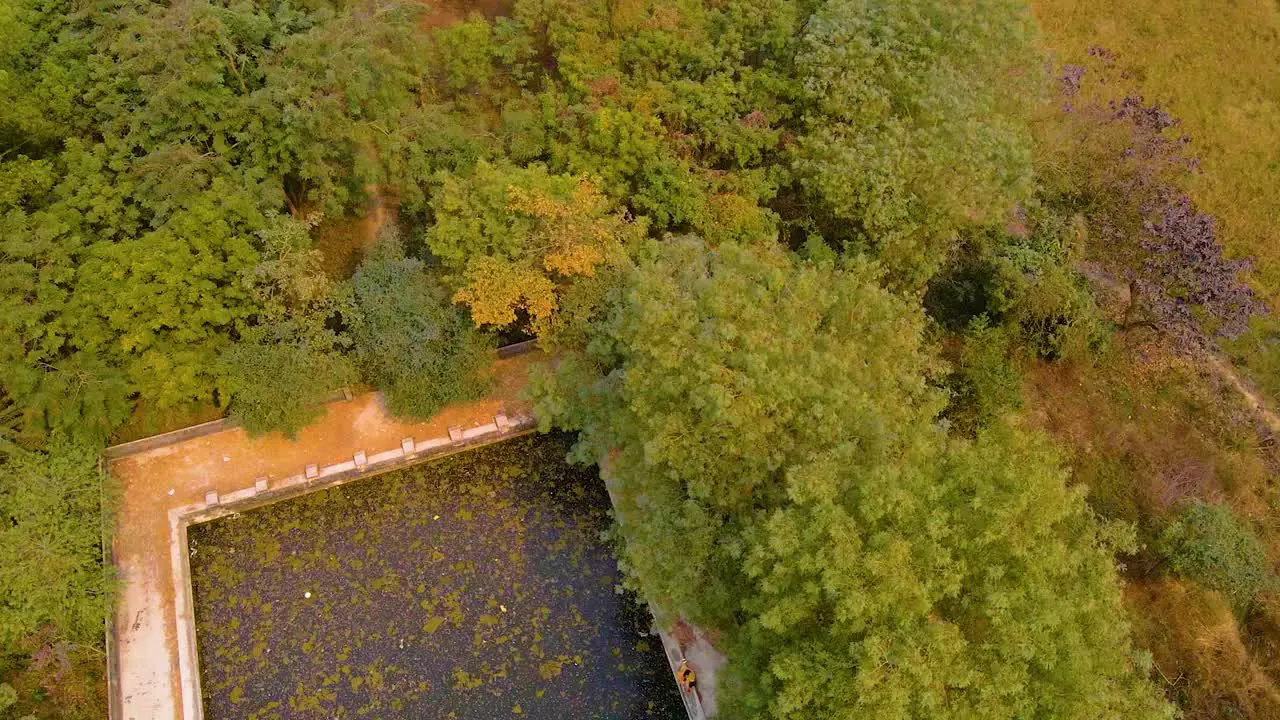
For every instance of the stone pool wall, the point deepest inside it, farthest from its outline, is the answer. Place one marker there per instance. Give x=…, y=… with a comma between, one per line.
x=314, y=477
x=166, y=483
x=475, y=587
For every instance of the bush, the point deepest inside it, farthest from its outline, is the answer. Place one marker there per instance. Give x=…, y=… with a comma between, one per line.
x=1057, y=315
x=409, y=341
x=986, y=381
x=51, y=547
x=279, y=383
x=1209, y=544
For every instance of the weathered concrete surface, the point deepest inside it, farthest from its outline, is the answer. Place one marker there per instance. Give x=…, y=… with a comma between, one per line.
x=156, y=484
x=684, y=641
x=706, y=661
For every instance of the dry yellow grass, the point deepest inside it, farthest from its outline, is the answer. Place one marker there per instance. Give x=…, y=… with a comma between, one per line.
x=1199, y=651
x=1216, y=65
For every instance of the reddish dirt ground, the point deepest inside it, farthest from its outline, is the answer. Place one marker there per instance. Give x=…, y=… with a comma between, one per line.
x=151, y=483
x=442, y=13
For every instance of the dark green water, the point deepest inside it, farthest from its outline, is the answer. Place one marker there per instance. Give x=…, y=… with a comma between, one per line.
x=476, y=587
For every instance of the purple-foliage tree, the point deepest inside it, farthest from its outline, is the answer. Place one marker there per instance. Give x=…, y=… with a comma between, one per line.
x=1176, y=269
x=1190, y=286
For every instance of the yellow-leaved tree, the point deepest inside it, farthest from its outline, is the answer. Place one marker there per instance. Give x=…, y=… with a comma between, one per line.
x=516, y=239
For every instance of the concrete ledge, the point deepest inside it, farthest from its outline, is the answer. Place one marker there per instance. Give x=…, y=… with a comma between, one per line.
x=478, y=431
x=387, y=456
x=336, y=469
x=150, y=443
x=431, y=444
x=519, y=348
x=236, y=496
x=342, y=394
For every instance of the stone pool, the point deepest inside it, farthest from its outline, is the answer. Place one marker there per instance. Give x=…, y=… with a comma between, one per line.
x=477, y=586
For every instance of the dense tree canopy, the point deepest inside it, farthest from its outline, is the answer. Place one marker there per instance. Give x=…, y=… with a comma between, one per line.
x=149, y=145
x=749, y=229
x=770, y=438
x=919, y=121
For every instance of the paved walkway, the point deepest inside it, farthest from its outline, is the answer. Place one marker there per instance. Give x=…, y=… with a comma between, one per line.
x=159, y=487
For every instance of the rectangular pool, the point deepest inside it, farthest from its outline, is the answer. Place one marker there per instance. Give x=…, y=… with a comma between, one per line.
x=474, y=587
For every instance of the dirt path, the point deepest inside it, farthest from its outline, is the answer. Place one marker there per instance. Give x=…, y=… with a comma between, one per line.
x=1255, y=401
x=1214, y=361
x=154, y=484
x=375, y=216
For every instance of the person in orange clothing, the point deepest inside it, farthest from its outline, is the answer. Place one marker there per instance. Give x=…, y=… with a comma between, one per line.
x=687, y=678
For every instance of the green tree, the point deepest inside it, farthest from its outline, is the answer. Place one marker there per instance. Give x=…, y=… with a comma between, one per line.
x=8, y=697
x=51, y=517
x=918, y=123
x=517, y=236
x=767, y=428
x=285, y=362
x=42, y=63
x=736, y=360
x=409, y=341
x=946, y=580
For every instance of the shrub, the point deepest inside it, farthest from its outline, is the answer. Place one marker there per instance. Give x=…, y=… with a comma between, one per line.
x=51, y=574
x=1209, y=544
x=986, y=381
x=1057, y=315
x=409, y=341
x=276, y=373
x=278, y=382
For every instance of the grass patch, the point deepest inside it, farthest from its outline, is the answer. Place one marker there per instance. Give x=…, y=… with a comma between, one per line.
x=1216, y=66
x=1149, y=434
